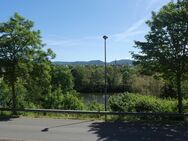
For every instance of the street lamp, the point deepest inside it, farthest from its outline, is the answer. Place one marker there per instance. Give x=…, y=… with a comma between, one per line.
x=105, y=72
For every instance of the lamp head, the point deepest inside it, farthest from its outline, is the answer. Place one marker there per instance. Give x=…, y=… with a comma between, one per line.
x=105, y=37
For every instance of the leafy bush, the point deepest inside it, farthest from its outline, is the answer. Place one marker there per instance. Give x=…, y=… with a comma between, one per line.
x=71, y=101
x=168, y=91
x=5, y=95
x=21, y=96
x=122, y=103
x=146, y=85
x=130, y=102
x=94, y=106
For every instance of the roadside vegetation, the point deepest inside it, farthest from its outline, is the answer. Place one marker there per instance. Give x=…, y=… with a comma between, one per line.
x=157, y=82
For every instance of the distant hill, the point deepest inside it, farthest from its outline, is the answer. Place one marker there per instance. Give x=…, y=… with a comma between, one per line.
x=95, y=62
x=122, y=62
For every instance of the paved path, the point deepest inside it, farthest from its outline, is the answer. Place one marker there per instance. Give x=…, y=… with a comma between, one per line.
x=26, y=129
x=46, y=130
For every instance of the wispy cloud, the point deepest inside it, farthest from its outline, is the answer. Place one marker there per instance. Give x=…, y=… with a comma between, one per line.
x=138, y=27
x=125, y=36
x=55, y=40
x=151, y=4
x=155, y=5
x=133, y=30
x=62, y=42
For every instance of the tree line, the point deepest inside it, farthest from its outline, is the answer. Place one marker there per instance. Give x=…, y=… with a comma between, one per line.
x=28, y=78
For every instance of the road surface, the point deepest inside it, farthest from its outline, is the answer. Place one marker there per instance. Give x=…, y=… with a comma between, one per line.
x=27, y=129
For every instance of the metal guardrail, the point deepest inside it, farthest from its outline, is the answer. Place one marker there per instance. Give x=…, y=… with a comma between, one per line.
x=97, y=112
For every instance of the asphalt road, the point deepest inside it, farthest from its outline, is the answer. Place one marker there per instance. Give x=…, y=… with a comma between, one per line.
x=27, y=129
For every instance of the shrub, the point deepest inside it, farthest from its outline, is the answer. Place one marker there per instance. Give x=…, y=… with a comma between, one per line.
x=66, y=101
x=122, y=103
x=146, y=85
x=71, y=102
x=94, y=106
x=130, y=102
x=5, y=95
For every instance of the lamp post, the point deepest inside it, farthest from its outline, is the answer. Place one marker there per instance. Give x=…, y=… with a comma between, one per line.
x=105, y=73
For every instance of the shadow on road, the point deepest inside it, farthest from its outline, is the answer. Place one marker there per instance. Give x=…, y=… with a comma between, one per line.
x=69, y=124
x=7, y=117
x=131, y=131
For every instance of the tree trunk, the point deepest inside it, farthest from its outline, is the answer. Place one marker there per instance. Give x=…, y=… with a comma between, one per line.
x=178, y=83
x=13, y=90
x=13, y=98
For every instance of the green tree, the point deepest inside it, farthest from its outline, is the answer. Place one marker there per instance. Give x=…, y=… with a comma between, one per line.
x=146, y=85
x=78, y=75
x=20, y=46
x=165, y=50
x=62, y=77
x=97, y=79
x=114, y=78
x=4, y=94
x=38, y=82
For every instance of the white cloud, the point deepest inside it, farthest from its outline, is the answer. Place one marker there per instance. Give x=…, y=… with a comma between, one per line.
x=136, y=25
x=135, y=29
x=151, y=4
x=155, y=5
x=55, y=40
x=126, y=36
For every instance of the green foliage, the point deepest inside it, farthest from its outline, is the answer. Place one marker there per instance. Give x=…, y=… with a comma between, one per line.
x=21, y=92
x=146, y=85
x=114, y=78
x=119, y=79
x=165, y=49
x=36, y=83
x=185, y=88
x=89, y=79
x=62, y=77
x=78, y=78
x=5, y=100
x=20, y=50
x=168, y=91
x=122, y=103
x=72, y=102
x=130, y=102
x=94, y=106
x=69, y=100
x=127, y=73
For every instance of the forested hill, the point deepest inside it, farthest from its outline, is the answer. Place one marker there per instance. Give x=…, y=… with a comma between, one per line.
x=95, y=62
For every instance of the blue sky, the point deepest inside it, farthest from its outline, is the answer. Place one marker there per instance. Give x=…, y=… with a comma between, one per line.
x=73, y=29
